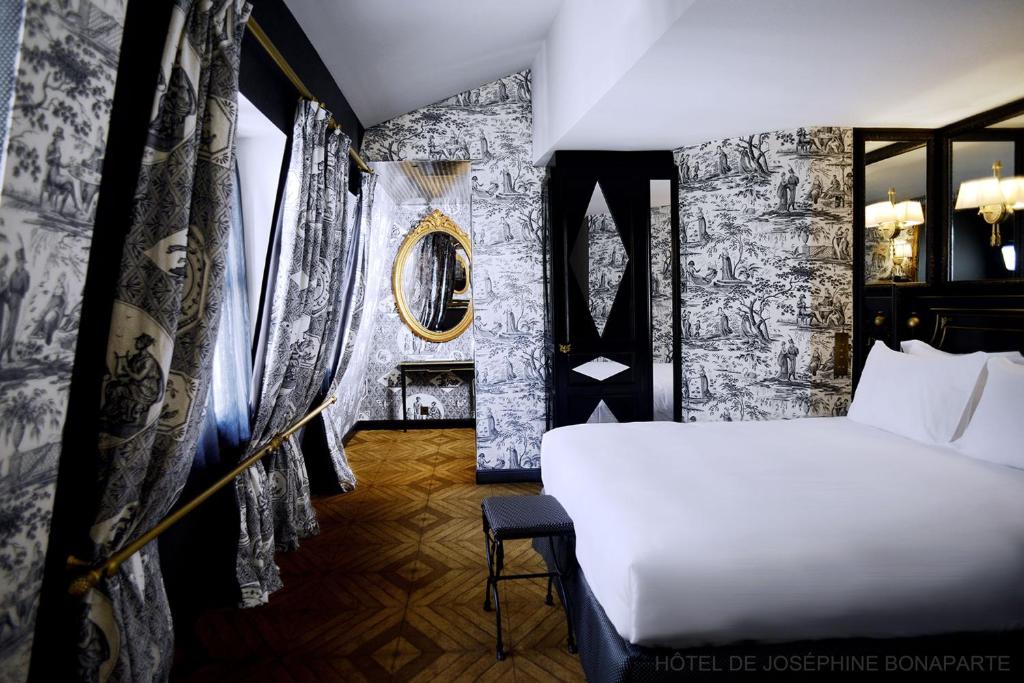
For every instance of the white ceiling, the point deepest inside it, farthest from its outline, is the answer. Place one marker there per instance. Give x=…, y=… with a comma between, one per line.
x=728, y=67
x=659, y=74
x=393, y=56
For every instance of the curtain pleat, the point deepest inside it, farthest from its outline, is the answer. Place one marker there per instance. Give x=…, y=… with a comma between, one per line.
x=163, y=329
x=371, y=265
x=436, y=264
x=304, y=309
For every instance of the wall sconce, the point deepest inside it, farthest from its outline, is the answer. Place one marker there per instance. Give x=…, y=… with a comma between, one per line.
x=903, y=252
x=890, y=219
x=995, y=198
x=1009, y=252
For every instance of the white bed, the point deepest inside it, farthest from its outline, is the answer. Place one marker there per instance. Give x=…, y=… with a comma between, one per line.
x=710, y=533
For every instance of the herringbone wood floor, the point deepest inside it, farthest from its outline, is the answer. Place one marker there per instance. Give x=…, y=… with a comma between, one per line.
x=392, y=588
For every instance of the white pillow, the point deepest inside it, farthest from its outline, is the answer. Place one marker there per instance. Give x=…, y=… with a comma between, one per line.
x=916, y=347
x=917, y=397
x=996, y=432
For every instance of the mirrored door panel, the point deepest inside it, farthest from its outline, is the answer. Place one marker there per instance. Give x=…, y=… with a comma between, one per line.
x=662, y=346
x=599, y=259
x=600, y=286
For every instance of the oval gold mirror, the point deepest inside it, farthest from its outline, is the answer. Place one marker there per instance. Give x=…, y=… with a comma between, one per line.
x=431, y=279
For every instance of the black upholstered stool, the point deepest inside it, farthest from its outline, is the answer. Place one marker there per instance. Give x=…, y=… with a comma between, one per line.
x=519, y=517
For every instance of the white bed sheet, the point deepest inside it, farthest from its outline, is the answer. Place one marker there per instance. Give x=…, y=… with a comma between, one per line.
x=709, y=533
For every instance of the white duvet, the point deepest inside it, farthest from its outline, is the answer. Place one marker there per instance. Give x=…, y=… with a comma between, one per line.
x=710, y=533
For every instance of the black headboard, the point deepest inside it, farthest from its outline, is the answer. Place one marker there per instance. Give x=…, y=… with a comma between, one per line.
x=957, y=323
x=962, y=330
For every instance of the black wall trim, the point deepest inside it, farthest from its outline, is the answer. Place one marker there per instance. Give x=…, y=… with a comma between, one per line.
x=507, y=476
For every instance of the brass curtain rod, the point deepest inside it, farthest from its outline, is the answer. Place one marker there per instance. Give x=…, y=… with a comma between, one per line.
x=264, y=40
x=82, y=583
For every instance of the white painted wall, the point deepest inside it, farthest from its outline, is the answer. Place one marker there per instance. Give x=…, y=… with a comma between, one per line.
x=393, y=56
x=260, y=149
x=729, y=67
x=590, y=46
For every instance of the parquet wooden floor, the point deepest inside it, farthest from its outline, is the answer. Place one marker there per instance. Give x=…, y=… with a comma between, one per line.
x=392, y=589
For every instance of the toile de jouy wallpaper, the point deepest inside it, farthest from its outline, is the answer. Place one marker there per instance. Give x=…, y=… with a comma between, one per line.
x=661, y=284
x=492, y=126
x=58, y=136
x=606, y=264
x=446, y=395
x=766, y=255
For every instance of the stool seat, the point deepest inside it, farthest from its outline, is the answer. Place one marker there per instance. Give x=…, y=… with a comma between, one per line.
x=514, y=517
x=518, y=517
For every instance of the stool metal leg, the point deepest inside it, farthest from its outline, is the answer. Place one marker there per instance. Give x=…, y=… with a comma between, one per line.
x=499, y=561
x=548, y=600
x=563, y=596
x=490, y=569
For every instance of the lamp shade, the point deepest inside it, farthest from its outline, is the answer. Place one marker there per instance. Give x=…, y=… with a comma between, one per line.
x=879, y=213
x=909, y=213
x=975, y=194
x=903, y=249
x=1013, y=192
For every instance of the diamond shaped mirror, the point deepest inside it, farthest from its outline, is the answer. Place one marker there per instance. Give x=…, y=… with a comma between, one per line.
x=599, y=259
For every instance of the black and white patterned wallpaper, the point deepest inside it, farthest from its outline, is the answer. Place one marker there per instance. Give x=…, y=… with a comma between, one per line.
x=879, y=263
x=444, y=395
x=766, y=254
x=661, y=284
x=606, y=264
x=491, y=125
x=58, y=137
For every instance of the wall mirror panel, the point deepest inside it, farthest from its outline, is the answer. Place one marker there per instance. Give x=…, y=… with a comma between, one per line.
x=985, y=222
x=895, y=210
x=431, y=276
x=662, y=339
x=960, y=188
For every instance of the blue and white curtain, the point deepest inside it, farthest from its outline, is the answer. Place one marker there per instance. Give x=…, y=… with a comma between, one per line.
x=12, y=24
x=301, y=328
x=228, y=429
x=163, y=330
x=370, y=267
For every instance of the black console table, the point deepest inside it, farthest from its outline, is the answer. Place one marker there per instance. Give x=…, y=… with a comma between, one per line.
x=433, y=367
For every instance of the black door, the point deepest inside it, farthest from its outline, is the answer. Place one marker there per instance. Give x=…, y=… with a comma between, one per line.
x=600, y=275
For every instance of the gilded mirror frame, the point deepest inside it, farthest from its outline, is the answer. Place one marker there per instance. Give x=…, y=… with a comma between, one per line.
x=435, y=221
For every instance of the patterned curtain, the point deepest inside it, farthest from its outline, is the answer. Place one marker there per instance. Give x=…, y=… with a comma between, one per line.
x=12, y=22
x=274, y=500
x=371, y=265
x=160, y=349
x=436, y=277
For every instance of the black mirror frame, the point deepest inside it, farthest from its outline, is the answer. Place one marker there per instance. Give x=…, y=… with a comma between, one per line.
x=937, y=220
